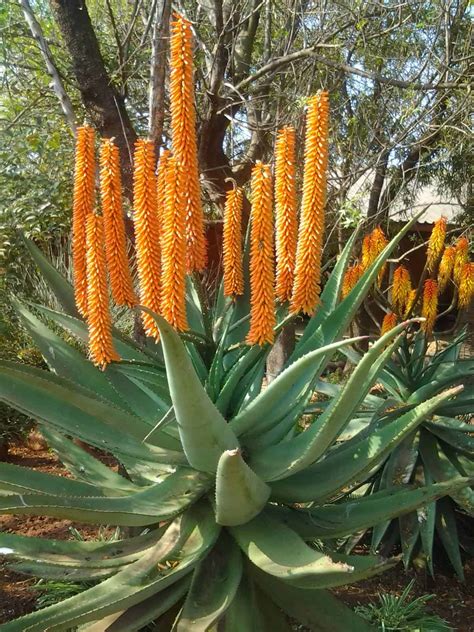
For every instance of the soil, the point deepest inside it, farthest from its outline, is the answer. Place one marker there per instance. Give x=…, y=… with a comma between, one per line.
x=454, y=601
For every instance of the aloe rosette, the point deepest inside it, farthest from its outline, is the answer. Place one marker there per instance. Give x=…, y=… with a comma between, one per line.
x=231, y=504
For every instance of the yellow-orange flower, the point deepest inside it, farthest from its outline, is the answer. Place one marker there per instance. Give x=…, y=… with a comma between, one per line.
x=436, y=244
x=232, y=243
x=460, y=258
x=83, y=206
x=430, y=305
x=147, y=232
x=112, y=209
x=311, y=231
x=352, y=275
x=378, y=241
x=262, y=293
x=101, y=347
x=401, y=288
x=161, y=184
x=466, y=285
x=286, y=223
x=173, y=252
x=446, y=266
x=366, y=257
x=410, y=304
x=388, y=323
x=183, y=132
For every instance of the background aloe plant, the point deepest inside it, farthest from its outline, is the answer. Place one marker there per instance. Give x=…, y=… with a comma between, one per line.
x=442, y=447
x=214, y=466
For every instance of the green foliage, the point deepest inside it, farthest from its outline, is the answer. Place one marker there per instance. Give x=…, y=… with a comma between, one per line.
x=440, y=449
x=397, y=613
x=211, y=490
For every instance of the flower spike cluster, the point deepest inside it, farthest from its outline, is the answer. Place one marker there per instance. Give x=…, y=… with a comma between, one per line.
x=183, y=131
x=147, y=231
x=101, y=347
x=173, y=245
x=311, y=231
x=83, y=206
x=286, y=224
x=112, y=210
x=388, y=323
x=232, y=243
x=466, y=285
x=436, y=244
x=401, y=288
x=430, y=305
x=446, y=266
x=262, y=296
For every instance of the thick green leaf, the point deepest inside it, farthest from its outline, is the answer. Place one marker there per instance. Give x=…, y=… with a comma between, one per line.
x=409, y=528
x=345, y=465
x=71, y=410
x=342, y=519
x=285, y=459
x=194, y=533
x=204, y=432
x=62, y=289
x=448, y=533
x=156, y=503
x=427, y=518
x=213, y=587
x=236, y=373
x=67, y=361
x=316, y=608
x=275, y=402
x=240, y=493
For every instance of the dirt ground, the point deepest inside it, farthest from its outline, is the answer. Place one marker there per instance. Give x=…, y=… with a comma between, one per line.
x=454, y=601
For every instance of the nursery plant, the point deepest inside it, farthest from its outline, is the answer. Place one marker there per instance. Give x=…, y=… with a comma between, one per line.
x=225, y=500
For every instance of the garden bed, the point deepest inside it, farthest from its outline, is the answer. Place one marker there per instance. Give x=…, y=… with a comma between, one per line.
x=454, y=601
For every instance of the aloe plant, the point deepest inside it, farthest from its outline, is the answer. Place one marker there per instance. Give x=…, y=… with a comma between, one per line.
x=214, y=468
x=441, y=448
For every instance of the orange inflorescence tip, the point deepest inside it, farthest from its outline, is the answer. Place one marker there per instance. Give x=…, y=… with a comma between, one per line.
x=286, y=222
x=436, y=244
x=352, y=275
x=388, y=323
x=83, y=206
x=466, y=285
x=430, y=305
x=306, y=287
x=232, y=243
x=183, y=132
x=115, y=240
x=446, y=266
x=147, y=232
x=101, y=347
x=460, y=258
x=262, y=277
x=366, y=257
x=378, y=241
x=173, y=245
x=410, y=304
x=401, y=288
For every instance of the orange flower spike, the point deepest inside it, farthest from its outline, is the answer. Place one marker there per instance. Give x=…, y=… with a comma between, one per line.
x=232, y=247
x=306, y=287
x=401, y=288
x=112, y=209
x=366, y=257
x=262, y=295
x=461, y=257
x=173, y=252
x=446, y=266
x=101, y=347
x=466, y=285
x=83, y=206
x=286, y=223
x=430, y=305
x=147, y=231
x=351, y=277
x=410, y=304
x=436, y=244
x=161, y=184
x=183, y=132
x=388, y=323
x=378, y=241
